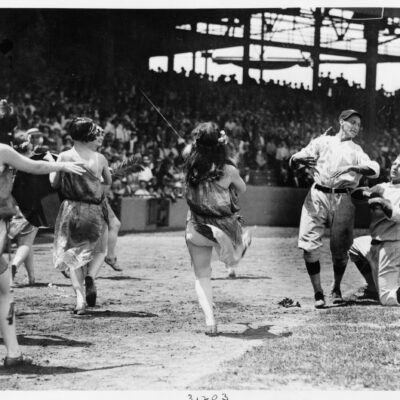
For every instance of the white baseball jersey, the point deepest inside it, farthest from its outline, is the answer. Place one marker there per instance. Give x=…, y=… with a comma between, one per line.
x=331, y=154
x=383, y=228
x=384, y=255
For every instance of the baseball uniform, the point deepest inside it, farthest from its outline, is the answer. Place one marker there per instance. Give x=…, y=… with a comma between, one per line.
x=328, y=203
x=381, y=250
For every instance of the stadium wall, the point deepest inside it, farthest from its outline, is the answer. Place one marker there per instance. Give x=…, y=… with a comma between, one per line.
x=260, y=205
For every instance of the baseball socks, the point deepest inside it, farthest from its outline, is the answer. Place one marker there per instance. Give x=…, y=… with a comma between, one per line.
x=313, y=269
x=370, y=291
x=339, y=269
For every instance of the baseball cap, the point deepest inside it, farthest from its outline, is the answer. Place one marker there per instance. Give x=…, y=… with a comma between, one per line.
x=346, y=114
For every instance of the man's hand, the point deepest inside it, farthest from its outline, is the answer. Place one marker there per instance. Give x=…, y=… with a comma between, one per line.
x=342, y=170
x=361, y=195
x=378, y=203
x=376, y=191
x=307, y=161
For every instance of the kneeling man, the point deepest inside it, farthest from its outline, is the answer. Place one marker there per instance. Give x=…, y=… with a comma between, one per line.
x=378, y=256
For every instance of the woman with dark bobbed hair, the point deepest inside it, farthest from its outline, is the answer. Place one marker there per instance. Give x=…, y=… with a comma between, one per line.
x=80, y=242
x=212, y=185
x=9, y=160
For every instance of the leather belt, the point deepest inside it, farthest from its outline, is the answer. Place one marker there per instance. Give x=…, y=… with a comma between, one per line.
x=331, y=190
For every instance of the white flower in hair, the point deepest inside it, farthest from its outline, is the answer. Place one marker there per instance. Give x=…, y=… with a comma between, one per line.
x=223, y=138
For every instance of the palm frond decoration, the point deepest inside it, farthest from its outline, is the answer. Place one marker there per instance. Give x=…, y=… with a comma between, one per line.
x=122, y=168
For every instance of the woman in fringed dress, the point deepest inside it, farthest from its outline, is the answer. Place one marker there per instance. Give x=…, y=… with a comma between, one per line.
x=80, y=244
x=212, y=185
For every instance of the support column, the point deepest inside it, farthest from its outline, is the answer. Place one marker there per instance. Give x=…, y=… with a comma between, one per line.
x=316, y=51
x=194, y=29
x=206, y=56
x=246, y=48
x=371, y=33
x=194, y=61
x=262, y=47
x=170, y=67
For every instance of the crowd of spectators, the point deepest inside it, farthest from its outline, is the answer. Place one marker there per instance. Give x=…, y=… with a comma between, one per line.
x=266, y=122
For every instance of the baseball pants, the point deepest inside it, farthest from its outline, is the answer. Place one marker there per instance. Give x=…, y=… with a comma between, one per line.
x=321, y=210
x=384, y=259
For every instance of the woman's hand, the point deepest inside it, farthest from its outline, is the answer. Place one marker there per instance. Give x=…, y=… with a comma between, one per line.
x=73, y=167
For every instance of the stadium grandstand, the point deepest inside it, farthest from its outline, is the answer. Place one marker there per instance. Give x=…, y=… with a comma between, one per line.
x=58, y=64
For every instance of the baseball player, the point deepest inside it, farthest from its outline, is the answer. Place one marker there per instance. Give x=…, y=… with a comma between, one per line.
x=378, y=256
x=337, y=164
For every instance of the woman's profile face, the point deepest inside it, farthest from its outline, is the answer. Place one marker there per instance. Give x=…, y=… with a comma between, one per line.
x=99, y=138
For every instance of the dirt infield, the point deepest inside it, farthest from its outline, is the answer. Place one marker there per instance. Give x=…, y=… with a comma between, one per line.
x=147, y=330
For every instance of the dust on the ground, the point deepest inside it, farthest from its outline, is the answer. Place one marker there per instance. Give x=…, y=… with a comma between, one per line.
x=147, y=330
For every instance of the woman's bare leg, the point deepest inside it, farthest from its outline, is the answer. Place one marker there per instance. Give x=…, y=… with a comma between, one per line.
x=77, y=279
x=201, y=260
x=7, y=329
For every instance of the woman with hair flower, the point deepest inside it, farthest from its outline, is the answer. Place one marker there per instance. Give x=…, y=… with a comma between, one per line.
x=212, y=185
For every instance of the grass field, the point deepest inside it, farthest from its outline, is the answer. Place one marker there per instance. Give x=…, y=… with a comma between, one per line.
x=146, y=333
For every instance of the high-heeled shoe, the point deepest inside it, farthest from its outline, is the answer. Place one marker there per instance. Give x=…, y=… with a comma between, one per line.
x=17, y=362
x=113, y=263
x=212, y=331
x=79, y=310
x=231, y=273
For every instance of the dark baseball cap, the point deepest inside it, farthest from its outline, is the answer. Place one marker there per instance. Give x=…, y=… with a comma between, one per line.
x=346, y=114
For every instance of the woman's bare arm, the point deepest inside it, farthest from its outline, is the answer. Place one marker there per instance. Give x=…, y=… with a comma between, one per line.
x=106, y=174
x=10, y=157
x=236, y=180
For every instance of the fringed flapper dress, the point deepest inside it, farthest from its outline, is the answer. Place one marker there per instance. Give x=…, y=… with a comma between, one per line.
x=7, y=204
x=213, y=214
x=81, y=221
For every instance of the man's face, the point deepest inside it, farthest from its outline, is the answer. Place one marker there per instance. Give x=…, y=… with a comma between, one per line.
x=351, y=126
x=395, y=171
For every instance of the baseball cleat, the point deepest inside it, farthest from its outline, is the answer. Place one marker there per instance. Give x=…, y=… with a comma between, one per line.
x=319, y=300
x=336, y=295
x=367, y=294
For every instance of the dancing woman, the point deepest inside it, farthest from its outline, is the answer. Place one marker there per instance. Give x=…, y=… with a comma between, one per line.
x=212, y=185
x=79, y=236
x=21, y=229
x=9, y=159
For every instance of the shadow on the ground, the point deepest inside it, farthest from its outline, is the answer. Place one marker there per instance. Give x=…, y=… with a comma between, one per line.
x=49, y=340
x=349, y=303
x=49, y=370
x=262, y=332
x=246, y=277
x=362, y=303
x=119, y=314
x=122, y=278
x=45, y=311
x=40, y=285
